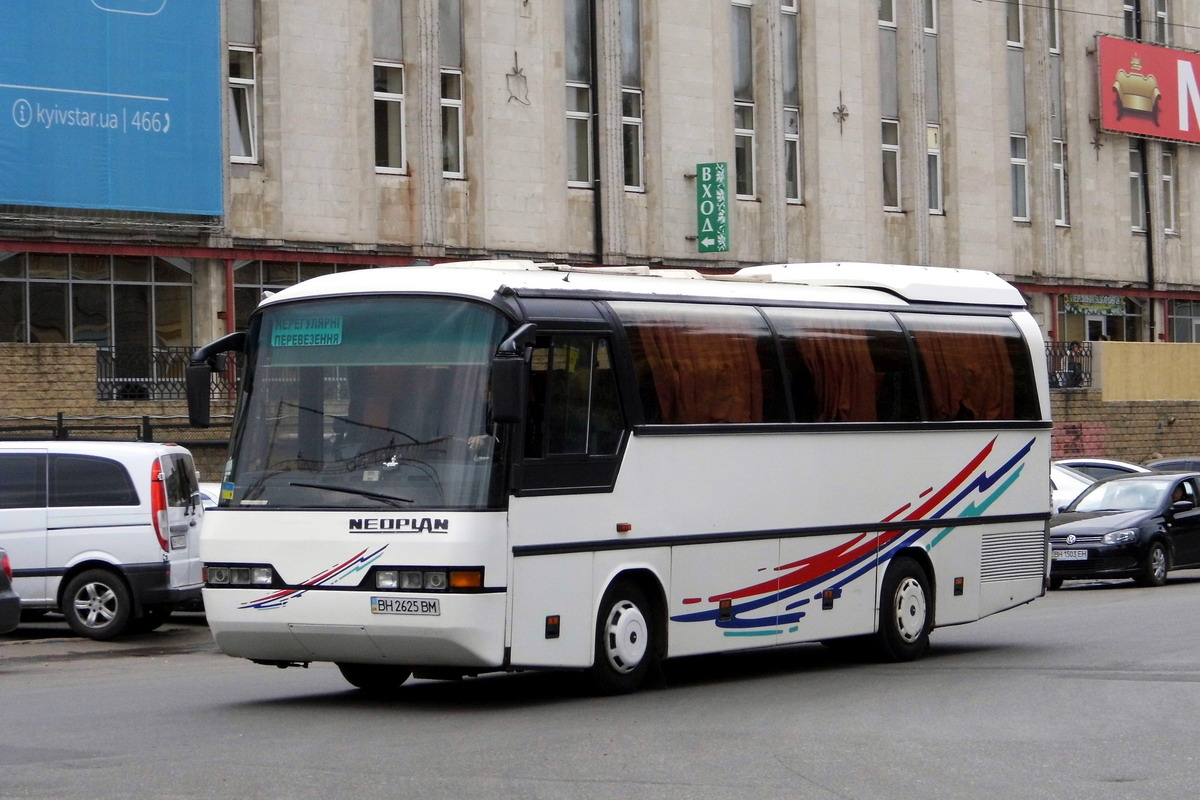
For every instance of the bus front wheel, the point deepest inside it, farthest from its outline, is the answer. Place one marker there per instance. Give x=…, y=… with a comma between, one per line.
x=625, y=646
x=905, y=612
x=375, y=678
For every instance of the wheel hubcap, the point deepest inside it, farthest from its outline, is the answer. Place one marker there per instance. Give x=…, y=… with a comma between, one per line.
x=1158, y=563
x=625, y=638
x=910, y=610
x=96, y=605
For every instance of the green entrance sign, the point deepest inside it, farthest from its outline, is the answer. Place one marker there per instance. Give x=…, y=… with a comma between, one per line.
x=712, y=207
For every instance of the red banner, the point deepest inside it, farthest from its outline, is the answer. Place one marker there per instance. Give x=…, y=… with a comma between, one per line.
x=1148, y=90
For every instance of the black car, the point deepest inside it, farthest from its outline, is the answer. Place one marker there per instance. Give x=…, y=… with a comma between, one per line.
x=1131, y=526
x=10, y=604
x=1185, y=463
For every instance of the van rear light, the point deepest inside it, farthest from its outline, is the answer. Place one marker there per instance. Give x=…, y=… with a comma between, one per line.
x=158, y=505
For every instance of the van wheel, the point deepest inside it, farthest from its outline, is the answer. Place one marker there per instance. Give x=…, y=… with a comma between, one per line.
x=625, y=646
x=375, y=678
x=905, y=612
x=97, y=604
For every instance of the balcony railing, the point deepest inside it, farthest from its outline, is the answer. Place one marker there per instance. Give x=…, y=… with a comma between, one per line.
x=157, y=374
x=1069, y=364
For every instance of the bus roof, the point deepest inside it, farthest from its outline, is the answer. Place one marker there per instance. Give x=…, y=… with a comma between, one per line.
x=843, y=283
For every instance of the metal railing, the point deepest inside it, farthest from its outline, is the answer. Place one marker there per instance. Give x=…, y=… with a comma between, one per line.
x=1069, y=364
x=156, y=374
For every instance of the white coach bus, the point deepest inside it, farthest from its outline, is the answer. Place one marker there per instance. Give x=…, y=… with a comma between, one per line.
x=490, y=466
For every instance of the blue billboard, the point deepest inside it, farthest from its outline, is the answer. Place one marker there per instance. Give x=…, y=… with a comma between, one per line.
x=111, y=104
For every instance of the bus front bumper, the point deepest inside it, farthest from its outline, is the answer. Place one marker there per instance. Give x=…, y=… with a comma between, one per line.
x=457, y=630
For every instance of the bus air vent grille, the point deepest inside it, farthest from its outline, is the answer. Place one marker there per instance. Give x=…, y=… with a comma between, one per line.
x=1010, y=556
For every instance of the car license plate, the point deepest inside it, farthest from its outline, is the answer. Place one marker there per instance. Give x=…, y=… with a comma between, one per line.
x=1070, y=555
x=429, y=607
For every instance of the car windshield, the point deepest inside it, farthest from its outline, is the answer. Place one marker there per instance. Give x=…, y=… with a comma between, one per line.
x=1138, y=494
x=368, y=402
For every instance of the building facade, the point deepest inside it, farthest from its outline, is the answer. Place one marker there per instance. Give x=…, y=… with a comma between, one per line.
x=361, y=133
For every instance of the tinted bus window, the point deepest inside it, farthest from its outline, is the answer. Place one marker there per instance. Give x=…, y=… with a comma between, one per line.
x=973, y=368
x=573, y=398
x=847, y=366
x=703, y=364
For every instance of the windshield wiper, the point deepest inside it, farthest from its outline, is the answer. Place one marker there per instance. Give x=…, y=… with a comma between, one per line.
x=387, y=498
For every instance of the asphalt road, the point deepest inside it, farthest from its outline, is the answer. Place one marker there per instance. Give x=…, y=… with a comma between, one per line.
x=1090, y=692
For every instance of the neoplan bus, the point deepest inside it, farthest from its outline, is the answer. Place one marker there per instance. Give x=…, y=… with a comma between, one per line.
x=451, y=470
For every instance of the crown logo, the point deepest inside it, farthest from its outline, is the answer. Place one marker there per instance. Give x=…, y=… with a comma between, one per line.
x=1135, y=63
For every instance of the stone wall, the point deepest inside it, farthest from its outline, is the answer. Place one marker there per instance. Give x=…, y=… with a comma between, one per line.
x=41, y=381
x=1087, y=425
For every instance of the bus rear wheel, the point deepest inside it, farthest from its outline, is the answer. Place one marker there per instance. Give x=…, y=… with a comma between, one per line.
x=374, y=678
x=905, y=612
x=625, y=646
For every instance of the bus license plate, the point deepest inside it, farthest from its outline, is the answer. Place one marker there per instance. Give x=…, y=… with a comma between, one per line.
x=1070, y=555
x=401, y=605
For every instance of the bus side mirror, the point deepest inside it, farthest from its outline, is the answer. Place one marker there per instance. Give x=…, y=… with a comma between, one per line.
x=508, y=389
x=198, y=400
x=198, y=379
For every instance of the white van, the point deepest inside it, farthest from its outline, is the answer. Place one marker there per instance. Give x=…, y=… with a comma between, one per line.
x=105, y=532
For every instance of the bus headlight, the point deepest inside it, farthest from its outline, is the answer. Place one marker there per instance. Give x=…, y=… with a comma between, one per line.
x=240, y=575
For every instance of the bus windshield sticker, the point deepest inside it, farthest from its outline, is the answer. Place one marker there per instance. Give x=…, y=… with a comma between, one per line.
x=317, y=331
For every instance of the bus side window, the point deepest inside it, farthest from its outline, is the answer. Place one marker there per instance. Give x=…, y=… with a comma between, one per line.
x=574, y=406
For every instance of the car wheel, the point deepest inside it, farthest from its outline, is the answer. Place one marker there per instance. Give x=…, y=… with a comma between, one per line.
x=905, y=612
x=96, y=604
x=375, y=678
x=1153, y=569
x=1056, y=583
x=625, y=646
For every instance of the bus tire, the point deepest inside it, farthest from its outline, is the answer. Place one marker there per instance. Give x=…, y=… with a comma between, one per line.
x=374, y=678
x=625, y=646
x=97, y=604
x=905, y=612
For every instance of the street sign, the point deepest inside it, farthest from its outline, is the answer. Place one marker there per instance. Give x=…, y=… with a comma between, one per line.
x=712, y=207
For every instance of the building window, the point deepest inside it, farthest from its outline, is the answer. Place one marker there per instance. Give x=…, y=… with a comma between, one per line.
x=1061, y=207
x=1162, y=22
x=929, y=16
x=452, y=124
x=743, y=150
x=241, y=25
x=450, y=51
x=1137, y=187
x=1019, y=159
x=1015, y=26
x=791, y=101
x=887, y=13
x=632, y=143
x=891, y=164
x=578, y=68
x=1133, y=27
x=743, y=102
x=631, y=138
x=387, y=42
x=243, y=105
x=1170, y=189
x=1055, y=25
x=389, y=118
x=933, y=156
x=579, y=134
x=791, y=145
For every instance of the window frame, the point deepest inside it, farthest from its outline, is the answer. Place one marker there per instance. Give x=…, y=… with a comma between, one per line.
x=1137, y=188
x=1170, y=188
x=573, y=118
x=247, y=88
x=455, y=106
x=1019, y=165
x=934, y=168
x=743, y=140
x=891, y=154
x=1013, y=16
x=636, y=125
x=398, y=99
x=1062, y=208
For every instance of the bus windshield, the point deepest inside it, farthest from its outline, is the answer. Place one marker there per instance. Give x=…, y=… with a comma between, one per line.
x=368, y=402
